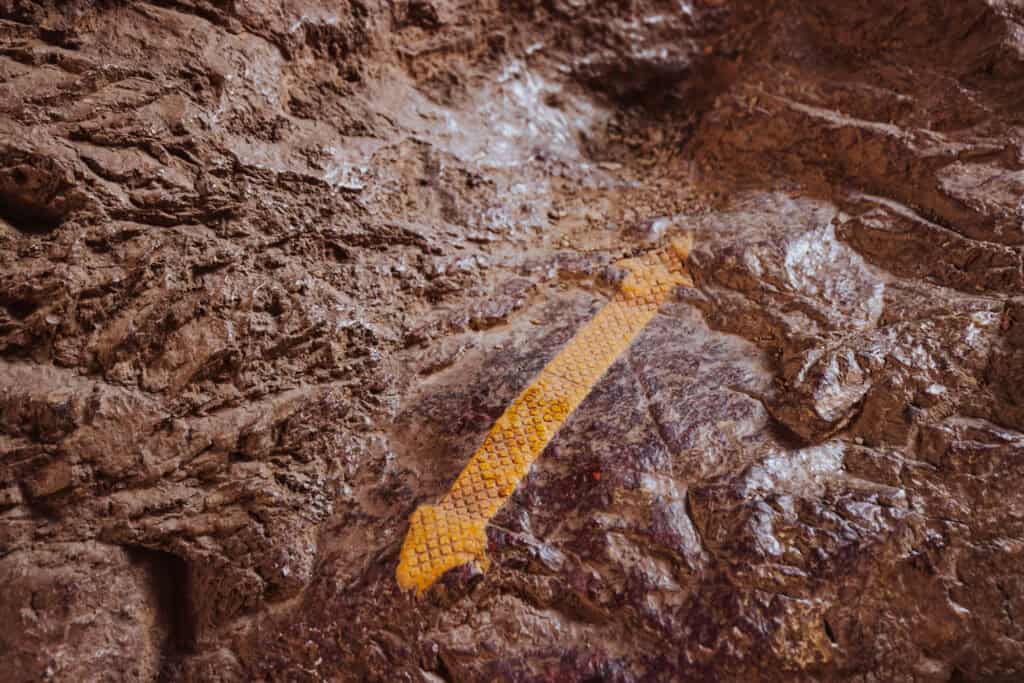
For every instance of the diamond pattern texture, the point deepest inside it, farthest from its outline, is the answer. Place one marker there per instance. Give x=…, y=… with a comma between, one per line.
x=453, y=532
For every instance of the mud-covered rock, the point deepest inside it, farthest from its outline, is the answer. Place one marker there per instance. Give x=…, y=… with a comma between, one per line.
x=88, y=611
x=270, y=271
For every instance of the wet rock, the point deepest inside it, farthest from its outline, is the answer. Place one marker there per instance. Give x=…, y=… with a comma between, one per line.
x=85, y=610
x=269, y=272
x=1004, y=373
x=37, y=191
x=907, y=244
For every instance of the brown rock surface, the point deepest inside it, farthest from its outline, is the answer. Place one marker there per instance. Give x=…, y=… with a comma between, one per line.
x=270, y=270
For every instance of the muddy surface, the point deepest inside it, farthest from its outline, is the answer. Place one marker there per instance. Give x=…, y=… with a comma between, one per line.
x=270, y=270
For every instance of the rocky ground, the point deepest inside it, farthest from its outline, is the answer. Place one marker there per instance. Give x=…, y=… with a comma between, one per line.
x=269, y=270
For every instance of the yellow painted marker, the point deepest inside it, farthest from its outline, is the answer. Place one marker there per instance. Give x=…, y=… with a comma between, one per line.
x=452, y=532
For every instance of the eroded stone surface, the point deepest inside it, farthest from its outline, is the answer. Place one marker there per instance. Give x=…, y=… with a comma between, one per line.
x=270, y=271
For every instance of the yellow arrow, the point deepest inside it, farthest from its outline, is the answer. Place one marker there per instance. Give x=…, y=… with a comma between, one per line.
x=452, y=532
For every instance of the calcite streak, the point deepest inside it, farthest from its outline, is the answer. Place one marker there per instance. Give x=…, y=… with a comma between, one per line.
x=453, y=532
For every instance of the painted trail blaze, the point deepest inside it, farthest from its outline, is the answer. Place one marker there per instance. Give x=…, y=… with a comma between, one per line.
x=453, y=532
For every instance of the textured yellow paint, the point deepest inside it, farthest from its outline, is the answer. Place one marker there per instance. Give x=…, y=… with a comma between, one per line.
x=452, y=532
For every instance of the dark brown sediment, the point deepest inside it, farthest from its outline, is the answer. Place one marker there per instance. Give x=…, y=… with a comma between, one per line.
x=269, y=271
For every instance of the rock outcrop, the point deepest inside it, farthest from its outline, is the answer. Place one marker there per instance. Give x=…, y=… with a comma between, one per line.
x=270, y=270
